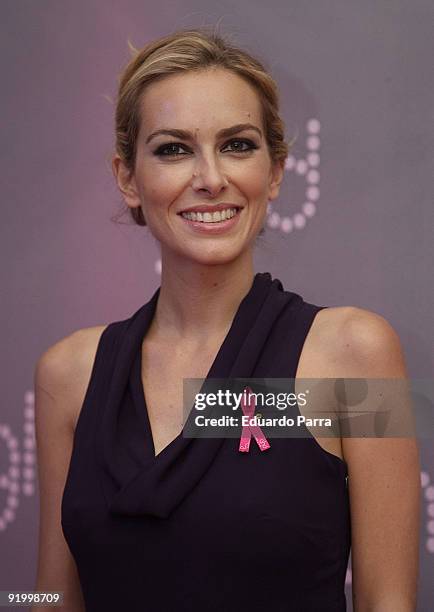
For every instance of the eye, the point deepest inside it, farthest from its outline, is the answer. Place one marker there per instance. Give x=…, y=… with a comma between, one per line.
x=250, y=145
x=170, y=146
x=168, y=150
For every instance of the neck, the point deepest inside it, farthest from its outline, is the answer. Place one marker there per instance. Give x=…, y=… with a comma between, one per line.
x=197, y=303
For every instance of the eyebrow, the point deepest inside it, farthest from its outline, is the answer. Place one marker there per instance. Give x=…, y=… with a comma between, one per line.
x=186, y=135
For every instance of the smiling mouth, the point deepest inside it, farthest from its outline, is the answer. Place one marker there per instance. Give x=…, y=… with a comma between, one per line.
x=211, y=217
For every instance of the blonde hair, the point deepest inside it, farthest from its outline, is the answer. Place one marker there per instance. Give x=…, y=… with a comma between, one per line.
x=183, y=51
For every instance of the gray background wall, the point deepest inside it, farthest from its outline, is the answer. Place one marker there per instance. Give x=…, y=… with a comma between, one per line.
x=351, y=227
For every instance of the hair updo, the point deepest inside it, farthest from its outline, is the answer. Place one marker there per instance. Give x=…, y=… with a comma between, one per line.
x=183, y=51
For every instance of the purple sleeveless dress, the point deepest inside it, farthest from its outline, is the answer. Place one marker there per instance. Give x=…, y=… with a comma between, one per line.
x=202, y=526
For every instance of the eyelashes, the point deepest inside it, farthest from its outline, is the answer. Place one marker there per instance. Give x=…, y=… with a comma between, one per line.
x=167, y=150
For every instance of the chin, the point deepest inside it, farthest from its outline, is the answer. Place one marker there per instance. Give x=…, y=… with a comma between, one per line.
x=214, y=259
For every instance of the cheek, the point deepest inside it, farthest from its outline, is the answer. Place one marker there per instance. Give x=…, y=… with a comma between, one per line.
x=255, y=180
x=158, y=191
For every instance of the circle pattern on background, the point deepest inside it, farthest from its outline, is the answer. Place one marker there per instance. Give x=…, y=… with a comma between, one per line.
x=307, y=168
x=21, y=473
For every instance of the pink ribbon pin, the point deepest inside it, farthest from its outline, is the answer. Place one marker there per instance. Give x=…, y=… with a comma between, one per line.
x=249, y=430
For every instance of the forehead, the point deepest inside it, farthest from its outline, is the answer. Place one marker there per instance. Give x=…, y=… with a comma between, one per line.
x=199, y=101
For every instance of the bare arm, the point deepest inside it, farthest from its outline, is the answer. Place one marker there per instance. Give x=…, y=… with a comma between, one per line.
x=60, y=381
x=384, y=479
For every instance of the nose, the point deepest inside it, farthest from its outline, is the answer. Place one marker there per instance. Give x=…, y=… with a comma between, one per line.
x=208, y=176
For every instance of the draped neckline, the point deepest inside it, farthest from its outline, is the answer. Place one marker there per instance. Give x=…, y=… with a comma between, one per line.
x=135, y=480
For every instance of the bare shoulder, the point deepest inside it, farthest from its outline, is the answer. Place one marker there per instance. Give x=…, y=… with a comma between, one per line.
x=60, y=380
x=384, y=472
x=356, y=342
x=63, y=370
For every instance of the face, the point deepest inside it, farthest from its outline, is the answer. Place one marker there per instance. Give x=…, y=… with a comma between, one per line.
x=205, y=166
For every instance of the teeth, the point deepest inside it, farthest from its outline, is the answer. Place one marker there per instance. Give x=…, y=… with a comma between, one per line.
x=214, y=217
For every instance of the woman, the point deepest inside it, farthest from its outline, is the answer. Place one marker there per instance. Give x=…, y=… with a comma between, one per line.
x=136, y=516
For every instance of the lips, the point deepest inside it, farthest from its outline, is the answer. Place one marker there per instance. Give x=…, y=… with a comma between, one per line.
x=210, y=226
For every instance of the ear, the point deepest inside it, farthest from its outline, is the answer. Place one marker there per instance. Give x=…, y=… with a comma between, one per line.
x=276, y=176
x=126, y=182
